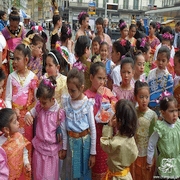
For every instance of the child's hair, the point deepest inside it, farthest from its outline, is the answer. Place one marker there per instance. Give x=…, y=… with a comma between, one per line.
x=82, y=16
x=103, y=43
x=143, y=45
x=24, y=49
x=154, y=25
x=177, y=55
x=134, y=53
x=122, y=46
x=132, y=26
x=2, y=13
x=65, y=33
x=56, y=18
x=139, y=85
x=6, y=117
x=46, y=89
x=36, y=38
x=99, y=21
x=75, y=76
x=2, y=75
x=94, y=68
x=82, y=43
x=97, y=39
x=122, y=24
x=127, y=118
x=164, y=103
x=127, y=60
x=164, y=49
x=14, y=16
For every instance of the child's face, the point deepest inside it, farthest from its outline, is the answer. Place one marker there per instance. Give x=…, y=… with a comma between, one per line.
x=115, y=56
x=14, y=124
x=104, y=52
x=124, y=32
x=98, y=79
x=147, y=55
x=1, y=87
x=37, y=49
x=139, y=65
x=177, y=66
x=51, y=68
x=74, y=91
x=166, y=43
x=142, y=98
x=127, y=74
x=95, y=47
x=162, y=60
x=87, y=52
x=85, y=22
x=151, y=30
x=46, y=103
x=171, y=114
x=132, y=32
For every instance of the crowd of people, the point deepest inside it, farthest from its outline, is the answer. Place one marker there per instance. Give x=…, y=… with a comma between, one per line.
x=89, y=108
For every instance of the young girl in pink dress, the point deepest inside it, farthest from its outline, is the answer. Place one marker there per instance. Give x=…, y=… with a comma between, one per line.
x=125, y=89
x=46, y=144
x=101, y=95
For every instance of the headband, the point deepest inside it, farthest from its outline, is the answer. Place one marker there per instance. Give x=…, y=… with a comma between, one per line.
x=54, y=57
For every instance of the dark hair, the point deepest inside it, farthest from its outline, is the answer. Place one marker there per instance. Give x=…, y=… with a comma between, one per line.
x=6, y=117
x=75, y=76
x=37, y=38
x=154, y=25
x=64, y=33
x=139, y=85
x=127, y=117
x=167, y=29
x=164, y=103
x=56, y=18
x=164, y=49
x=122, y=24
x=178, y=23
x=2, y=13
x=83, y=17
x=94, y=68
x=132, y=26
x=14, y=16
x=97, y=39
x=127, y=60
x=177, y=55
x=82, y=43
x=46, y=90
x=134, y=53
x=2, y=74
x=104, y=43
x=144, y=48
x=123, y=49
x=24, y=49
x=99, y=21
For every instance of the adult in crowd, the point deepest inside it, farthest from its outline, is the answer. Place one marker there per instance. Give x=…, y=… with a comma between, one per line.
x=107, y=30
x=176, y=34
x=3, y=20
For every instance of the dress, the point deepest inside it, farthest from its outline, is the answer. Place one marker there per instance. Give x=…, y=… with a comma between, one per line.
x=46, y=147
x=177, y=90
x=118, y=149
x=79, y=118
x=54, y=38
x=100, y=167
x=146, y=122
x=115, y=75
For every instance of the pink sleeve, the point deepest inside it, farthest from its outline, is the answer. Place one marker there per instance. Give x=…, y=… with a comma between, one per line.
x=62, y=115
x=4, y=171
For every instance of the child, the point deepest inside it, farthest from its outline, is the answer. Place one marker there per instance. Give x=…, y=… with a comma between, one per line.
x=101, y=95
x=2, y=80
x=132, y=32
x=119, y=49
x=125, y=89
x=20, y=90
x=146, y=122
x=80, y=126
x=14, y=145
x=83, y=54
x=96, y=42
x=166, y=137
x=121, y=148
x=159, y=79
x=123, y=29
x=49, y=118
x=54, y=64
x=4, y=170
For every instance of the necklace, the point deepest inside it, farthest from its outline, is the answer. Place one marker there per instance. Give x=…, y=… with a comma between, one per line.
x=22, y=79
x=16, y=32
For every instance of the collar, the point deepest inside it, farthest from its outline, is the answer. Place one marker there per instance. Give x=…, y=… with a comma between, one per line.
x=170, y=125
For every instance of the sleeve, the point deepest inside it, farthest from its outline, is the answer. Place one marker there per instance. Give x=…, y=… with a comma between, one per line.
x=4, y=170
x=151, y=147
x=98, y=100
x=32, y=112
x=63, y=129
x=8, y=97
x=92, y=130
x=25, y=156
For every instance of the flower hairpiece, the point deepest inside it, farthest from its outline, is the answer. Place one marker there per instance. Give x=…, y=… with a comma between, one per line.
x=158, y=25
x=26, y=41
x=164, y=94
x=37, y=29
x=68, y=31
x=48, y=83
x=123, y=42
x=143, y=42
x=81, y=14
x=79, y=66
x=122, y=25
x=167, y=35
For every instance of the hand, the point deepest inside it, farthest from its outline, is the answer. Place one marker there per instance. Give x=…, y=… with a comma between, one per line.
x=148, y=166
x=113, y=122
x=62, y=154
x=28, y=119
x=100, y=90
x=28, y=167
x=17, y=111
x=92, y=161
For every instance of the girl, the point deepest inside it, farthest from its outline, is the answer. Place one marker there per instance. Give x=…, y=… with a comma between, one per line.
x=46, y=145
x=54, y=64
x=119, y=49
x=146, y=122
x=166, y=137
x=83, y=54
x=14, y=145
x=80, y=126
x=20, y=90
x=4, y=170
x=96, y=42
x=101, y=95
x=125, y=89
x=123, y=29
x=122, y=144
x=159, y=79
x=132, y=32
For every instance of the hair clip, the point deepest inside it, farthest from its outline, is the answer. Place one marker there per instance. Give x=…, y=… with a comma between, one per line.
x=158, y=25
x=164, y=94
x=37, y=29
x=122, y=25
x=26, y=41
x=48, y=83
x=54, y=57
x=143, y=42
x=123, y=42
x=79, y=66
x=81, y=14
x=68, y=31
x=167, y=35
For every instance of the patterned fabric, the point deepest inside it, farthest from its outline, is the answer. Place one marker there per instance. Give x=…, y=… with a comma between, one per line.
x=2, y=104
x=3, y=165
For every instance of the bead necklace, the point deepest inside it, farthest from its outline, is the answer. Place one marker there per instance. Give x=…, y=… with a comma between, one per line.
x=22, y=79
x=16, y=32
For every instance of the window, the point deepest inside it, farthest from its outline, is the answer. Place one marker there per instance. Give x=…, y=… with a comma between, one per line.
x=115, y=1
x=125, y=4
x=136, y=4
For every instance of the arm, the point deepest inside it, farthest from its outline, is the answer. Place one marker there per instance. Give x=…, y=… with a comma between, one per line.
x=26, y=160
x=4, y=170
x=8, y=97
x=29, y=117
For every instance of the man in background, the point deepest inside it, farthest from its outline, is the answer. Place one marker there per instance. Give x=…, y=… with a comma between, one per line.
x=107, y=30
